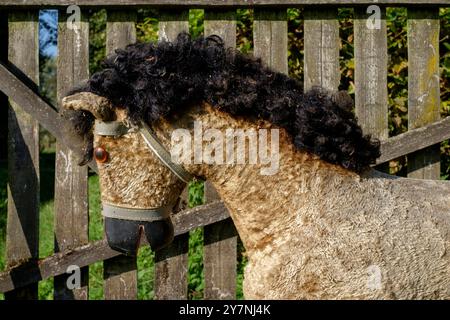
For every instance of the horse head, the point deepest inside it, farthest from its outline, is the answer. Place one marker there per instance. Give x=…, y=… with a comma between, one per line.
x=138, y=192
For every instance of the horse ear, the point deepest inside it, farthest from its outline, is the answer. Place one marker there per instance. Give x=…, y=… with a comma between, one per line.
x=100, y=107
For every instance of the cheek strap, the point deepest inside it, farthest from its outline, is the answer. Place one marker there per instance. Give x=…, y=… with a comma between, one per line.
x=163, y=155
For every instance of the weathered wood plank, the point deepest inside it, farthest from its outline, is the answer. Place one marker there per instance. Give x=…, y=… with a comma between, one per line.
x=22, y=237
x=223, y=24
x=219, y=260
x=120, y=30
x=56, y=264
x=3, y=97
x=219, y=3
x=171, y=263
x=171, y=23
x=423, y=86
x=321, y=49
x=415, y=139
x=120, y=273
x=20, y=89
x=171, y=267
x=71, y=185
x=371, y=96
x=220, y=239
x=270, y=38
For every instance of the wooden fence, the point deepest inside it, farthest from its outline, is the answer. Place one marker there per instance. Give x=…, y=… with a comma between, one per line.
x=270, y=40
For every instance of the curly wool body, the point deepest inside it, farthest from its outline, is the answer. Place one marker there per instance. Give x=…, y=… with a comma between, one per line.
x=154, y=80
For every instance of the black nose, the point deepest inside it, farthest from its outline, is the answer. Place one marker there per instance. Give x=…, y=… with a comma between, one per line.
x=124, y=235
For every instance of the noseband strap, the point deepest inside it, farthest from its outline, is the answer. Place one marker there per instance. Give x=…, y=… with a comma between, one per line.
x=154, y=214
x=117, y=128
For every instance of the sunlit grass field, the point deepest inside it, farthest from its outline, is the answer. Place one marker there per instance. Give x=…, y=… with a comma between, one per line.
x=145, y=260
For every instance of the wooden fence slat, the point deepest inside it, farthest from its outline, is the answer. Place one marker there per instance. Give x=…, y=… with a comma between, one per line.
x=423, y=86
x=22, y=238
x=321, y=49
x=71, y=184
x=219, y=255
x=220, y=238
x=371, y=96
x=120, y=273
x=171, y=23
x=171, y=263
x=270, y=38
x=3, y=97
x=171, y=269
x=223, y=24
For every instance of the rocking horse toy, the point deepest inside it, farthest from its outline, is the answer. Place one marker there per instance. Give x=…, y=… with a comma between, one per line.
x=313, y=229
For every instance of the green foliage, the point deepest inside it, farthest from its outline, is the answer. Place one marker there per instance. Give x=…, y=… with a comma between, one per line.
x=47, y=87
x=196, y=276
x=295, y=43
x=195, y=193
x=445, y=85
x=97, y=40
x=96, y=281
x=95, y=216
x=346, y=50
x=46, y=223
x=241, y=263
x=196, y=18
x=95, y=233
x=244, y=30
x=47, y=77
x=147, y=25
x=397, y=70
x=145, y=262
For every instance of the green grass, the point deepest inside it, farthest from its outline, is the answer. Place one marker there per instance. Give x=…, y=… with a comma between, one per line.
x=3, y=207
x=3, y=203
x=196, y=276
x=145, y=260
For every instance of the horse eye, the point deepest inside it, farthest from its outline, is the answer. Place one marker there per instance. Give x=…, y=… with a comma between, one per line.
x=100, y=154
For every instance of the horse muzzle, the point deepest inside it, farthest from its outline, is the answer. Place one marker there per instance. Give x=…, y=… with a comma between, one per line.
x=124, y=228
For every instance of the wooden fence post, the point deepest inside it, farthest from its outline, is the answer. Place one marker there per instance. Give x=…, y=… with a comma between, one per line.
x=120, y=273
x=3, y=97
x=171, y=263
x=321, y=48
x=423, y=86
x=220, y=238
x=270, y=38
x=22, y=239
x=371, y=97
x=71, y=184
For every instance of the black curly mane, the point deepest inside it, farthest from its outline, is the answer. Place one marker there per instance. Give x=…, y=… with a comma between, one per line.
x=154, y=80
